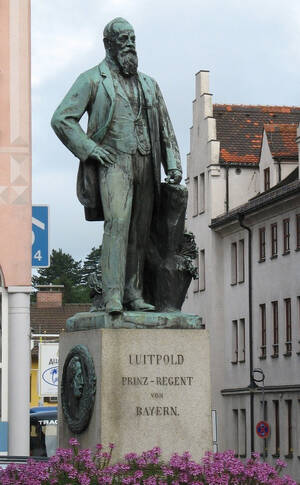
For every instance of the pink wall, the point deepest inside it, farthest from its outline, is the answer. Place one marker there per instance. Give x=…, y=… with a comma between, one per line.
x=15, y=143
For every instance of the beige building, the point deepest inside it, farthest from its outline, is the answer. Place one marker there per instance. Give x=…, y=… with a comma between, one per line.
x=15, y=224
x=244, y=208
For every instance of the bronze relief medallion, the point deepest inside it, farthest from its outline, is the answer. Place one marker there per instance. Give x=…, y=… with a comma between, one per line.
x=78, y=388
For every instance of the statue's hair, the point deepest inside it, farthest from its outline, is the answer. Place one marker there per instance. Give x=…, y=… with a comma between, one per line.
x=109, y=31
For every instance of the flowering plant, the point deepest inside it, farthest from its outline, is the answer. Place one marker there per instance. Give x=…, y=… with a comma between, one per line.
x=73, y=466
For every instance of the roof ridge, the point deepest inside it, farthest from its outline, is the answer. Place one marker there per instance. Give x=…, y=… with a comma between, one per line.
x=220, y=105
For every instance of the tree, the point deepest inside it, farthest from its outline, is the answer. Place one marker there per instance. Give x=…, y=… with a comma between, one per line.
x=91, y=265
x=64, y=270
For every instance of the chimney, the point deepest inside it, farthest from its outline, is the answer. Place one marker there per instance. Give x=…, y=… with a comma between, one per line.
x=49, y=296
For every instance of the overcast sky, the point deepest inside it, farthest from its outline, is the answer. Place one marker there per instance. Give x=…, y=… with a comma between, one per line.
x=250, y=47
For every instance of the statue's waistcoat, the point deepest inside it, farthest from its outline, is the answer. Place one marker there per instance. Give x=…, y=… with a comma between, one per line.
x=128, y=130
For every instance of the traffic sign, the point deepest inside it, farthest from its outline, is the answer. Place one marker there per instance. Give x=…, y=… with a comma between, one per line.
x=40, y=236
x=263, y=429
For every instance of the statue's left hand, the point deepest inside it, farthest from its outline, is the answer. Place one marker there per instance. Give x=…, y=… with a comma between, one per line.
x=174, y=177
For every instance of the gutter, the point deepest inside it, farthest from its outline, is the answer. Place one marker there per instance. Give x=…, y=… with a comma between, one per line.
x=252, y=386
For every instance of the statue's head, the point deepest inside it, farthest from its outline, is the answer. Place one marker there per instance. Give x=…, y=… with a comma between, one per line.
x=119, y=42
x=75, y=376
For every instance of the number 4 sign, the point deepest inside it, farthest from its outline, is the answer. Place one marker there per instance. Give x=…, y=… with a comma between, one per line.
x=40, y=236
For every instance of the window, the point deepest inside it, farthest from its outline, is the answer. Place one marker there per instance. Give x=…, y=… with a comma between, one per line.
x=233, y=263
x=202, y=270
x=235, y=342
x=202, y=193
x=263, y=346
x=288, y=326
x=241, y=341
x=298, y=329
x=195, y=193
x=298, y=231
x=239, y=432
x=241, y=267
x=262, y=244
x=276, y=428
x=275, y=328
x=196, y=281
x=236, y=431
x=274, y=245
x=286, y=236
x=289, y=428
x=267, y=178
x=243, y=434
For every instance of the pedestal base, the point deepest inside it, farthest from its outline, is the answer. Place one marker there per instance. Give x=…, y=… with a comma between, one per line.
x=152, y=389
x=155, y=320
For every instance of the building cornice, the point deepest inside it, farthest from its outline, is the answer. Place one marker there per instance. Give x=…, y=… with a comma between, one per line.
x=257, y=203
x=258, y=390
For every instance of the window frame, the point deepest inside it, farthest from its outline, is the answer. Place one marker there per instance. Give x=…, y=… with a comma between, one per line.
x=195, y=196
x=262, y=244
x=267, y=184
x=202, y=280
x=286, y=235
x=288, y=326
x=263, y=327
x=241, y=261
x=235, y=342
x=275, y=344
x=234, y=263
x=297, y=232
x=201, y=192
x=274, y=240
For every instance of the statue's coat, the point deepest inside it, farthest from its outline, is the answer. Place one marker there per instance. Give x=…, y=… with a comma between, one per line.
x=93, y=92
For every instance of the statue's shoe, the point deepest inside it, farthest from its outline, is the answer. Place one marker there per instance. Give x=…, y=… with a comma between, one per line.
x=114, y=306
x=139, y=305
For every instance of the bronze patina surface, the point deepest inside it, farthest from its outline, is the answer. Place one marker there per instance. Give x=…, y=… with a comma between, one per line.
x=78, y=388
x=129, y=137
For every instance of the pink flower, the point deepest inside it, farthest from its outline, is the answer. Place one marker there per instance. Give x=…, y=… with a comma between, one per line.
x=73, y=442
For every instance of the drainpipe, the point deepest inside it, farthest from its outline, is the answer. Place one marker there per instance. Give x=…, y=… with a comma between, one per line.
x=252, y=384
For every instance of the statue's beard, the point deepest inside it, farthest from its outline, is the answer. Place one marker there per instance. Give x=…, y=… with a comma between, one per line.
x=128, y=62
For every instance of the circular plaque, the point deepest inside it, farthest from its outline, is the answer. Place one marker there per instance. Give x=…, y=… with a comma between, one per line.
x=78, y=388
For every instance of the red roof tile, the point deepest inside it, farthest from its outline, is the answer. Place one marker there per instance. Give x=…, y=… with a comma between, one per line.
x=53, y=320
x=282, y=139
x=240, y=129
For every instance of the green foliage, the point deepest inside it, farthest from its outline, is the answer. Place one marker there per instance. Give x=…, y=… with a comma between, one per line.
x=65, y=270
x=91, y=264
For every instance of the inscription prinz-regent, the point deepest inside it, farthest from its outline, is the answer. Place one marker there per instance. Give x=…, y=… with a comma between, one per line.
x=163, y=381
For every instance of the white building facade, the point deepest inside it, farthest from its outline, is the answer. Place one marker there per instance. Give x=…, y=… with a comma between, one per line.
x=244, y=209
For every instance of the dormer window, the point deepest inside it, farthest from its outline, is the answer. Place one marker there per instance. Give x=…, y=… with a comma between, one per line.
x=267, y=178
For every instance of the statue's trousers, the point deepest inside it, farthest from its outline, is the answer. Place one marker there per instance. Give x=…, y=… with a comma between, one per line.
x=127, y=195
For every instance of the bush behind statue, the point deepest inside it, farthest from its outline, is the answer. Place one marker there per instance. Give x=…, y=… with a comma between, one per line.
x=84, y=467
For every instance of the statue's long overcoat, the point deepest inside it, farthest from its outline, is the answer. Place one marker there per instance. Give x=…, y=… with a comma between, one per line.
x=93, y=92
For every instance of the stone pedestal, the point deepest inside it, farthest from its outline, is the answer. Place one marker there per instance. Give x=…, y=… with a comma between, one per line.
x=152, y=389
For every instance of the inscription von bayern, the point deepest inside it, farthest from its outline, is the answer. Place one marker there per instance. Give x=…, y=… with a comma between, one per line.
x=162, y=381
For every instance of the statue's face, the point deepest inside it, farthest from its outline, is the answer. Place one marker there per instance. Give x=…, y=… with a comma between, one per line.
x=124, y=39
x=77, y=382
x=122, y=48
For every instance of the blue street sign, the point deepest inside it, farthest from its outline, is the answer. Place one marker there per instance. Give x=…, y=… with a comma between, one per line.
x=40, y=236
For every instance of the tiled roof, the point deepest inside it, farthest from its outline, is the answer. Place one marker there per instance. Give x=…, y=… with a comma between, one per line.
x=240, y=129
x=282, y=139
x=52, y=320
